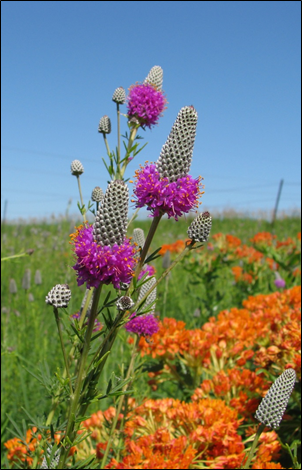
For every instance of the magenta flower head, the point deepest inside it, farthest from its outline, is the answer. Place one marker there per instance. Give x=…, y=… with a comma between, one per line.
x=100, y=263
x=103, y=253
x=162, y=197
x=279, y=283
x=145, y=104
x=144, y=325
x=166, y=187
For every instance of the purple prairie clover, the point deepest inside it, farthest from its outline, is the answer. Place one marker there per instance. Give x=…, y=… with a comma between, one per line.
x=147, y=268
x=164, y=197
x=97, y=263
x=143, y=325
x=145, y=104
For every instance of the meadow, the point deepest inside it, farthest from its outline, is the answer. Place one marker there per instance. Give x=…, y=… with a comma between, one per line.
x=243, y=258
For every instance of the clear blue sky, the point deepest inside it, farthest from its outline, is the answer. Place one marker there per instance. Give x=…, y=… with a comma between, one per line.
x=238, y=63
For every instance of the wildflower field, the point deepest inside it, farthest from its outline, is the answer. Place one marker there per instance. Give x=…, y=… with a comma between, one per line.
x=170, y=342
x=227, y=331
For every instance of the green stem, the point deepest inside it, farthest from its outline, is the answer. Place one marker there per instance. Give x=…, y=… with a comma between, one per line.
x=165, y=273
x=81, y=197
x=106, y=143
x=252, y=449
x=145, y=249
x=63, y=347
x=118, y=141
x=121, y=401
x=70, y=432
x=70, y=356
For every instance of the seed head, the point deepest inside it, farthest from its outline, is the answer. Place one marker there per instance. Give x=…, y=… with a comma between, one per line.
x=59, y=296
x=97, y=194
x=26, y=279
x=119, y=96
x=55, y=460
x=124, y=303
x=200, y=228
x=38, y=277
x=155, y=77
x=273, y=405
x=105, y=125
x=12, y=286
x=111, y=219
x=76, y=168
x=176, y=154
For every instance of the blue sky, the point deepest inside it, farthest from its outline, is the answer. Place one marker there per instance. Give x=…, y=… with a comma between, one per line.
x=238, y=63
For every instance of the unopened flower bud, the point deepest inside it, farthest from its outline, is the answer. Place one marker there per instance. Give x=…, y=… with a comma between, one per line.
x=105, y=125
x=97, y=194
x=119, y=96
x=273, y=405
x=200, y=228
x=59, y=296
x=76, y=168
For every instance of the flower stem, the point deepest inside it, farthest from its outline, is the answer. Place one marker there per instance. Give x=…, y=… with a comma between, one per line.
x=118, y=141
x=74, y=402
x=121, y=400
x=70, y=356
x=252, y=449
x=63, y=348
x=81, y=198
x=107, y=146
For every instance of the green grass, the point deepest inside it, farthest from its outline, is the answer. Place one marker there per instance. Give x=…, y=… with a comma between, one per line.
x=29, y=336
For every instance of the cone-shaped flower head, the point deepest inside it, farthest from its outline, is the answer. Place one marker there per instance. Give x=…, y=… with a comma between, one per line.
x=26, y=279
x=146, y=104
x=155, y=77
x=111, y=219
x=176, y=154
x=151, y=297
x=273, y=405
x=59, y=296
x=38, y=277
x=119, y=96
x=12, y=286
x=97, y=194
x=76, y=168
x=105, y=125
x=200, y=228
x=138, y=237
x=124, y=303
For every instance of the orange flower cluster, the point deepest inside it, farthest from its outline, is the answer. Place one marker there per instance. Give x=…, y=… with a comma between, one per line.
x=176, y=247
x=241, y=276
x=267, y=329
x=20, y=450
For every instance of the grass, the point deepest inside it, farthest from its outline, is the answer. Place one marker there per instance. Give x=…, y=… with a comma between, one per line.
x=28, y=334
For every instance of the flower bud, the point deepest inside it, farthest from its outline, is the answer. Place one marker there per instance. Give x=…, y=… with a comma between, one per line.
x=59, y=296
x=105, y=125
x=200, y=228
x=76, y=168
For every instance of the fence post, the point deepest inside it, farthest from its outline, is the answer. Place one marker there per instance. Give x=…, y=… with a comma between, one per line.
x=277, y=202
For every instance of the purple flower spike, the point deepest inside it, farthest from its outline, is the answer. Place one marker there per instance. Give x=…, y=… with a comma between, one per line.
x=163, y=197
x=145, y=104
x=97, y=263
x=145, y=325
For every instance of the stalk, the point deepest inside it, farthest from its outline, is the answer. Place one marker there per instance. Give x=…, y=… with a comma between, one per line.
x=70, y=432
